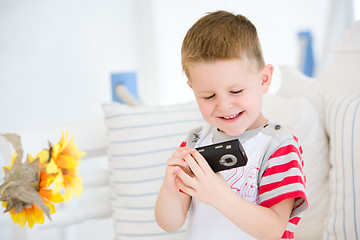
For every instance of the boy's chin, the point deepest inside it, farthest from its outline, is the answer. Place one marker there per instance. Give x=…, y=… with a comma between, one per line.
x=232, y=132
x=235, y=134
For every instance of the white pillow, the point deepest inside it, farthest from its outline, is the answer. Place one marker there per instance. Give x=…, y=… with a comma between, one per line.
x=295, y=84
x=140, y=140
x=300, y=116
x=343, y=73
x=342, y=119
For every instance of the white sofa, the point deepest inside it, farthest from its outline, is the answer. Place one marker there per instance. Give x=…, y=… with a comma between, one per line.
x=323, y=113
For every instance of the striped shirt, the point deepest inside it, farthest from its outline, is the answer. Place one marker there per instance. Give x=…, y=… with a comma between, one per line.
x=274, y=172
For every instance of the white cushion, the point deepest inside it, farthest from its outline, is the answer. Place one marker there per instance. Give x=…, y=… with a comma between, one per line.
x=342, y=119
x=301, y=117
x=343, y=76
x=296, y=84
x=140, y=140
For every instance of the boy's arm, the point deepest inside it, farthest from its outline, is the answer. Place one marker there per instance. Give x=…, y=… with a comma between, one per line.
x=258, y=221
x=171, y=205
x=171, y=210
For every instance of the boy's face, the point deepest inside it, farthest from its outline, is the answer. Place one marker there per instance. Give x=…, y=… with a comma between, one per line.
x=229, y=94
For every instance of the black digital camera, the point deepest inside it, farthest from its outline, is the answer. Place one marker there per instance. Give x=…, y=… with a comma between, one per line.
x=224, y=155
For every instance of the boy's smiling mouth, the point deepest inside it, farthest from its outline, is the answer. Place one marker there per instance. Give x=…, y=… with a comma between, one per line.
x=231, y=117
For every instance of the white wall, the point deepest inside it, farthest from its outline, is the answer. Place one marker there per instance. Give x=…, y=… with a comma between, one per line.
x=56, y=56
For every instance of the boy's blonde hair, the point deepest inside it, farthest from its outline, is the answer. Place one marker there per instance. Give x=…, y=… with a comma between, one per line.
x=221, y=35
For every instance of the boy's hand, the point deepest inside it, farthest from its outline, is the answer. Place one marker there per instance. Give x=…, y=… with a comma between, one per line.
x=176, y=161
x=204, y=185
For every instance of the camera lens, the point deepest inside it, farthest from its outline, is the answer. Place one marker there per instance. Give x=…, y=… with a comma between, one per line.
x=228, y=160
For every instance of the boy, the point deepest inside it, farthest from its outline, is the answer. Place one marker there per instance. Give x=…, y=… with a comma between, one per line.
x=222, y=59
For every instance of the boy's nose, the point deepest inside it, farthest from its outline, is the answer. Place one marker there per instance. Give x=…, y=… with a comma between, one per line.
x=224, y=103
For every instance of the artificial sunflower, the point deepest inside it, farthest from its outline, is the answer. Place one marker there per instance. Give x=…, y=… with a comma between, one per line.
x=25, y=194
x=62, y=162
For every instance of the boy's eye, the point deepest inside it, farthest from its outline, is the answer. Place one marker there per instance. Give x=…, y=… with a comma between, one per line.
x=209, y=97
x=236, y=92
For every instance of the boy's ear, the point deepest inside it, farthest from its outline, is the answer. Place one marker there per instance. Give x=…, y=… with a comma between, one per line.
x=266, y=76
x=188, y=83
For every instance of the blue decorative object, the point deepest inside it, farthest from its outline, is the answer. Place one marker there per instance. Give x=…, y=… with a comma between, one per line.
x=128, y=79
x=307, y=61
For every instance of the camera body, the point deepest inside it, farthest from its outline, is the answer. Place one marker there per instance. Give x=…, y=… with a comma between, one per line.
x=224, y=155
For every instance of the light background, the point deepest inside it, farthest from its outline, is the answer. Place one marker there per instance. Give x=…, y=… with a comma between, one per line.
x=56, y=57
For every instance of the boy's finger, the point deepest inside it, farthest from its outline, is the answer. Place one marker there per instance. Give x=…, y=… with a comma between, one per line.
x=177, y=153
x=176, y=162
x=204, y=165
x=185, y=178
x=194, y=166
x=183, y=188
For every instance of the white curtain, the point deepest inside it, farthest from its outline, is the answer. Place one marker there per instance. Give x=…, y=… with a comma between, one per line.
x=340, y=18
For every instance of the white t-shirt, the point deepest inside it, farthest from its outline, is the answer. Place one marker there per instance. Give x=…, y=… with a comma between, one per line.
x=272, y=174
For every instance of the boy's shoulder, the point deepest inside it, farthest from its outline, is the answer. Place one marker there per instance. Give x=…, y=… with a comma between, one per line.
x=282, y=144
x=280, y=136
x=278, y=132
x=193, y=136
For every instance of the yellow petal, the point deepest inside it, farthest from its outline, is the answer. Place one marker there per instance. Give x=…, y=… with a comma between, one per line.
x=46, y=179
x=68, y=194
x=31, y=159
x=34, y=215
x=19, y=218
x=66, y=162
x=70, y=180
x=51, y=206
x=13, y=158
x=73, y=185
x=52, y=167
x=63, y=141
x=72, y=150
x=7, y=167
x=12, y=162
x=43, y=156
x=79, y=190
x=51, y=196
x=59, y=182
x=56, y=150
x=29, y=217
x=38, y=215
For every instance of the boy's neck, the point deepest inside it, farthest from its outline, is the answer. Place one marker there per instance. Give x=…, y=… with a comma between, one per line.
x=221, y=136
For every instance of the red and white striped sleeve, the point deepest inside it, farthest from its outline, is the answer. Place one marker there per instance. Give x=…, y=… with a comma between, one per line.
x=283, y=179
